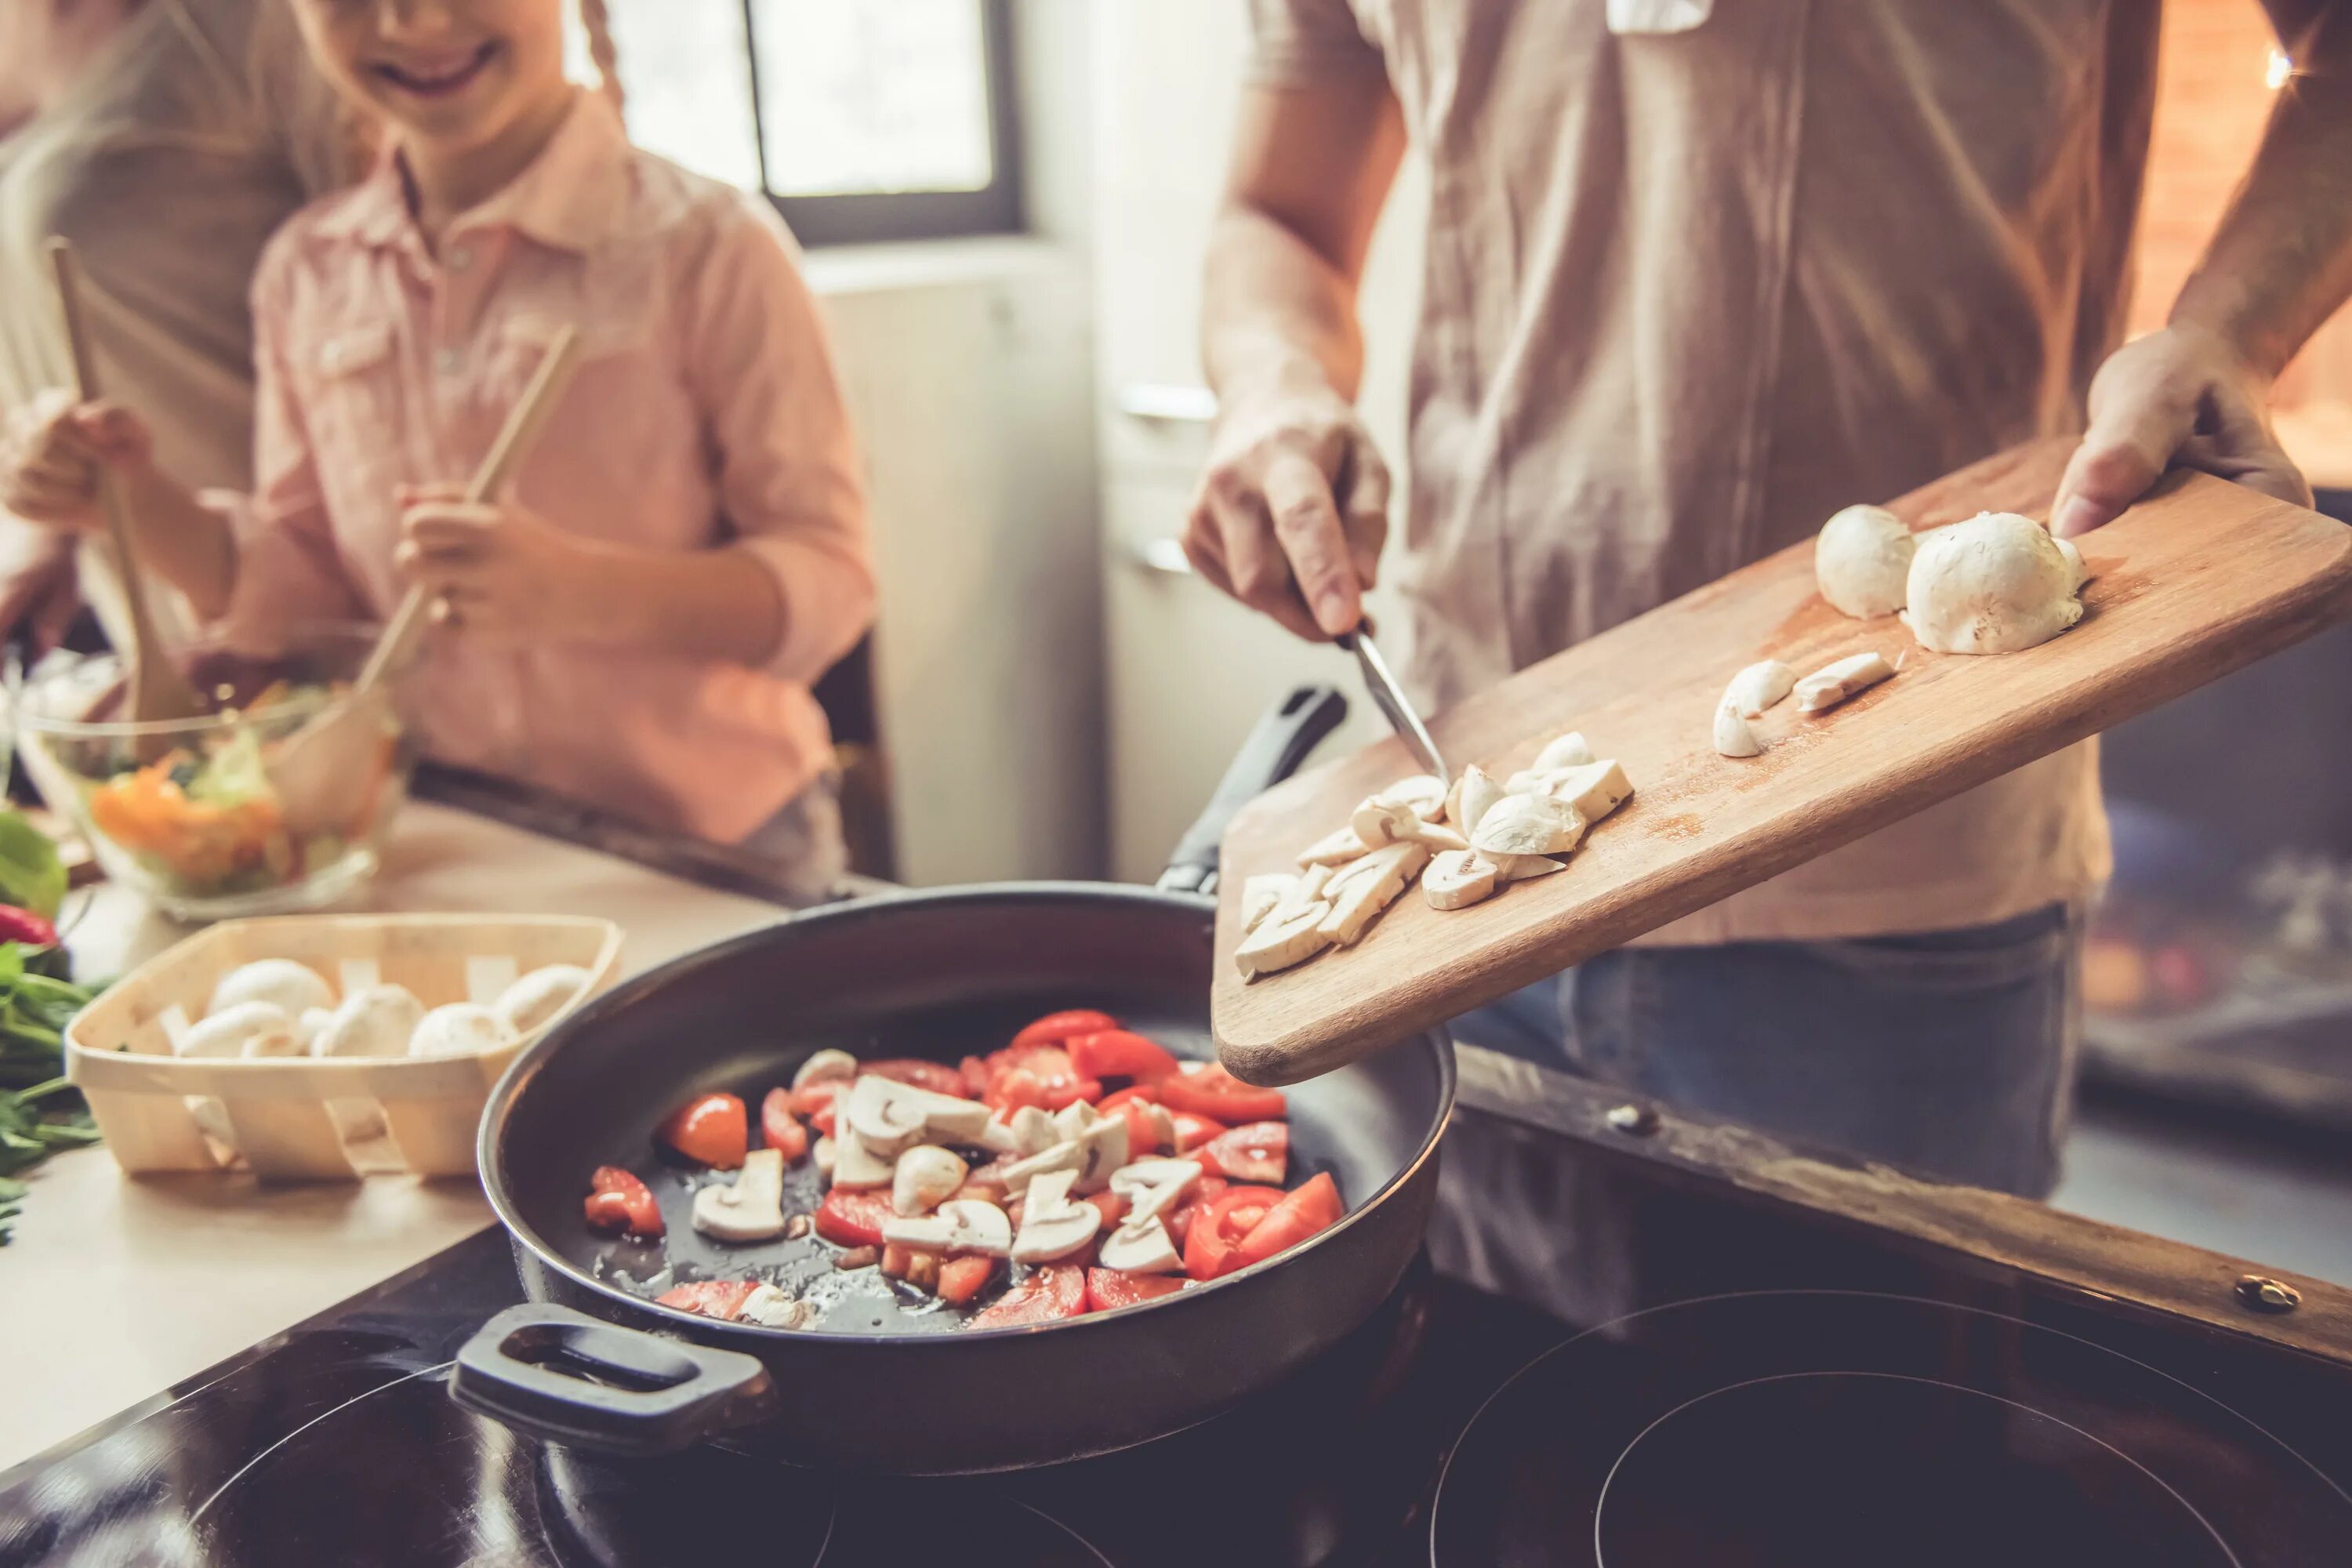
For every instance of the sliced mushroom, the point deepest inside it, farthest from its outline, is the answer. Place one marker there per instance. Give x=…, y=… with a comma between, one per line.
x=1422, y=794
x=854, y=1165
x=1033, y=1131
x=1063, y=1156
x=1150, y=1186
x=1140, y=1247
x=1053, y=1223
x=1759, y=686
x=822, y=1155
x=1474, y=793
x=1832, y=684
x=1567, y=751
x=961, y=1225
x=890, y=1116
x=1435, y=835
x=1523, y=867
x=1074, y=1118
x=1733, y=738
x=1591, y=791
x=1102, y=1149
x=1262, y=894
x=1283, y=939
x=774, y=1308
x=825, y=1066
x=1334, y=849
x=1354, y=908
x=1458, y=878
x=927, y=1176
x=1377, y=822
x=1403, y=858
x=997, y=1137
x=1530, y=824
x=750, y=1210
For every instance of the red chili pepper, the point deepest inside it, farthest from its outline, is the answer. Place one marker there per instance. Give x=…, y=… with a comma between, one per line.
x=24, y=926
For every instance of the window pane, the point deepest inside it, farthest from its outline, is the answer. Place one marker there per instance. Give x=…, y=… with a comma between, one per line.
x=855, y=95
x=688, y=83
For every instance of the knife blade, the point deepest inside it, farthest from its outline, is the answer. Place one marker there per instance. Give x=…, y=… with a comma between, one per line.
x=1390, y=697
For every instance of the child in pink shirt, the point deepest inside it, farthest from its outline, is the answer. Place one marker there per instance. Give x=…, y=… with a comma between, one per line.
x=637, y=624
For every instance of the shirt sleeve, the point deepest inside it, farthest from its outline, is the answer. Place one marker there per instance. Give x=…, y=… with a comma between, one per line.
x=788, y=483
x=289, y=570
x=1299, y=42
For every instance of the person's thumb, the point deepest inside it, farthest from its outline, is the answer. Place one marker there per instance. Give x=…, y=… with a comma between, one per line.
x=2132, y=437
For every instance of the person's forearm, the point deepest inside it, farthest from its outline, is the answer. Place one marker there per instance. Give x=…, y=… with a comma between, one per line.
x=719, y=604
x=178, y=538
x=2281, y=262
x=1274, y=313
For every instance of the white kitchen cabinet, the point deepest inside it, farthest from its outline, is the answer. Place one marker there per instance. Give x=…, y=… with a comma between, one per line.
x=1187, y=670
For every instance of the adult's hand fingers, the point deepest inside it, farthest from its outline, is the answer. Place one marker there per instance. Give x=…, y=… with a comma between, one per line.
x=1255, y=564
x=1365, y=515
x=1319, y=570
x=449, y=529
x=2133, y=436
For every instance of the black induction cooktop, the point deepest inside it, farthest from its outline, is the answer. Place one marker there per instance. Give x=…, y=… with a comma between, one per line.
x=1784, y=1391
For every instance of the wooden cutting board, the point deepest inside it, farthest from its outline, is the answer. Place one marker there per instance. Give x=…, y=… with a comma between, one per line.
x=2199, y=579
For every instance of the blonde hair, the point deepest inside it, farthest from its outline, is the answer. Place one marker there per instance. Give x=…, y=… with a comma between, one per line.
x=596, y=21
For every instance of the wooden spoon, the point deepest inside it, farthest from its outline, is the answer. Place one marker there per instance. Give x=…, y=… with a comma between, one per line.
x=159, y=691
x=325, y=770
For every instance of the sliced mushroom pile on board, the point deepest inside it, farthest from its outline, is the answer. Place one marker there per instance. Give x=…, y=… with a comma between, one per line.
x=1023, y=1173
x=1463, y=845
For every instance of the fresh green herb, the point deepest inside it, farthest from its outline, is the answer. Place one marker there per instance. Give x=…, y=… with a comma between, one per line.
x=31, y=875
x=40, y=1112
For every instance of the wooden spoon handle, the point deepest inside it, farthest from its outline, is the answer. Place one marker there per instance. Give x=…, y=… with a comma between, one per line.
x=524, y=422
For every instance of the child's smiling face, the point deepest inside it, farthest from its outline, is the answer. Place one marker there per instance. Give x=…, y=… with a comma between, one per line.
x=454, y=73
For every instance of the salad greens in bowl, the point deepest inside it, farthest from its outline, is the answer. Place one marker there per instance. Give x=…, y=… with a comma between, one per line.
x=185, y=811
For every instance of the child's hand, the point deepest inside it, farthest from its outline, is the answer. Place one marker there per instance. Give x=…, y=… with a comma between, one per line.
x=54, y=450
x=502, y=570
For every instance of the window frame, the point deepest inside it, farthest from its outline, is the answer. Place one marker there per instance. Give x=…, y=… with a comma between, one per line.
x=881, y=217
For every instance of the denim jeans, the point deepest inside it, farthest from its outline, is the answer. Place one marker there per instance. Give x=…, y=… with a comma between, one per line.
x=1950, y=1054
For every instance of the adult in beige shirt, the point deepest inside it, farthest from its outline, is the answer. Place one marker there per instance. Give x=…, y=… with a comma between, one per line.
x=1698, y=273
x=167, y=138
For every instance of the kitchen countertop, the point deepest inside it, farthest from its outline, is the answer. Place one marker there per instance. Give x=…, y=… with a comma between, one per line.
x=115, y=1289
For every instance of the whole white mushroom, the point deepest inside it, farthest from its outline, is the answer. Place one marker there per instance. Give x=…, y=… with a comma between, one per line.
x=376, y=1021
x=293, y=988
x=459, y=1028
x=539, y=995
x=226, y=1031
x=1862, y=561
x=1995, y=583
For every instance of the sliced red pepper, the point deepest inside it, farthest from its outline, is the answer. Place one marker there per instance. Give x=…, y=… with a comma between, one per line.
x=1178, y=1219
x=779, y=1128
x=849, y=1218
x=1314, y=1206
x=1107, y=1289
x=1048, y=1294
x=1258, y=1153
x=1219, y=1227
x=618, y=1202
x=937, y=1076
x=1193, y=1131
x=1041, y=1076
x=1119, y=1053
x=711, y=1129
x=1217, y=1094
x=961, y=1279
x=1056, y=1028
x=720, y=1298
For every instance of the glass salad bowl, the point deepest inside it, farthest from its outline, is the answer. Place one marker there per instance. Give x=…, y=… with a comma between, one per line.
x=187, y=811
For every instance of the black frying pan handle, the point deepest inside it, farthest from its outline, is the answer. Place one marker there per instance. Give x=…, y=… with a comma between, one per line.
x=651, y=1395
x=1290, y=729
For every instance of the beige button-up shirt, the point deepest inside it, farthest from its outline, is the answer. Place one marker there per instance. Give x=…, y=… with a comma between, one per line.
x=198, y=129
x=1693, y=286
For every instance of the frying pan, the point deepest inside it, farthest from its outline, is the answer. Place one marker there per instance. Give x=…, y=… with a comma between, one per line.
x=890, y=1383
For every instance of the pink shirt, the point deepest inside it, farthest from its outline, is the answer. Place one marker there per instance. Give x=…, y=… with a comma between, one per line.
x=704, y=412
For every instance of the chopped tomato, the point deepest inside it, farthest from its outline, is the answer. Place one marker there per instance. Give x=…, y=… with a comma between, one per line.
x=779, y=1128
x=1149, y=1127
x=1178, y=1219
x=1110, y=1205
x=1048, y=1294
x=1041, y=1076
x=1258, y=1153
x=817, y=1097
x=1217, y=1094
x=1055, y=1027
x=1119, y=1053
x=961, y=1279
x=981, y=1187
x=934, y=1076
x=1219, y=1228
x=975, y=1077
x=1192, y=1131
x=1314, y=1206
x=1133, y=1094
x=619, y=1202
x=711, y=1129
x=1107, y=1287
x=720, y=1298
x=849, y=1218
